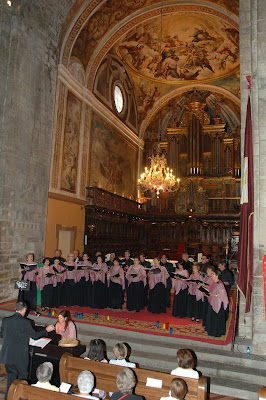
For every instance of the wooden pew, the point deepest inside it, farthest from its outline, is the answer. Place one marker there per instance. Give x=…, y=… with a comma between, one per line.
x=105, y=375
x=21, y=390
x=262, y=393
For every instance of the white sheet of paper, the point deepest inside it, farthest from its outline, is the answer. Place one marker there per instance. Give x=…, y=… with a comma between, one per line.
x=64, y=387
x=40, y=342
x=156, y=383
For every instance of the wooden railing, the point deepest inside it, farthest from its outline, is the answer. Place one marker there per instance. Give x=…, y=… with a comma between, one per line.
x=101, y=198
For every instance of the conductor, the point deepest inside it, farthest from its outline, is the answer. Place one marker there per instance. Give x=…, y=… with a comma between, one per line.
x=16, y=332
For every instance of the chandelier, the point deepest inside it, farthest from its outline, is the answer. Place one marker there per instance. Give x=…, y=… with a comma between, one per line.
x=158, y=177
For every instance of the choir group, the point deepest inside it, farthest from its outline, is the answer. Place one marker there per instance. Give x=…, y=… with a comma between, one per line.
x=199, y=293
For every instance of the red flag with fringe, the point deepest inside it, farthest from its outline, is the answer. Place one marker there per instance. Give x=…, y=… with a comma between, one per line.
x=245, y=247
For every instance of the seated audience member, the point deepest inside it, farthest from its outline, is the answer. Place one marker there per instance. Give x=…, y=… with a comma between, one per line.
x=85, y=383
x=44, y=374
x=64, y=326
x=186, y=360
x=178, y=390
x=120, y=352
x=126, y=382
x=97, y=351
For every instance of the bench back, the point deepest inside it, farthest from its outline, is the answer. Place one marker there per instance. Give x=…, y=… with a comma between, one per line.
x=105, y=375
x=21, y=390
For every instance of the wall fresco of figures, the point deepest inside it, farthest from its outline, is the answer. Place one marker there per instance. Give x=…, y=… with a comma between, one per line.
x=71, y=144
x=113, y=161
x=182, y=47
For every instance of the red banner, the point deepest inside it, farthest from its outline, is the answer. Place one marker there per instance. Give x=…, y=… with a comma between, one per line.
x=264, y=284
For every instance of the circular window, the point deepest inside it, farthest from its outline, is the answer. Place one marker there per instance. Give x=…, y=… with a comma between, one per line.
x=119, y=99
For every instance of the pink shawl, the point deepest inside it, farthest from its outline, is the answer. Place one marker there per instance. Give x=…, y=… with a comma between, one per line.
x=193, y=289
x=114, y=270
x=179, y=284
x=42, y=280
x=158, y=278
x=99, y=276
x=216, y=302
x=140, y=271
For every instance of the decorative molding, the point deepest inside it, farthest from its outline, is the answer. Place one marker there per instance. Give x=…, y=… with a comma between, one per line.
x=84, y=94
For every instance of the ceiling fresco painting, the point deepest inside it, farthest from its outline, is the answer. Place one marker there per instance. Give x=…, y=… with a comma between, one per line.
x=182, y=47
x=111, y=12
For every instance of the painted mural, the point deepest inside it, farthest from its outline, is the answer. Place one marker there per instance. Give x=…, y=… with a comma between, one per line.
x=71, y=144
x=111, y=13
x=182, y=47
x=113, y=161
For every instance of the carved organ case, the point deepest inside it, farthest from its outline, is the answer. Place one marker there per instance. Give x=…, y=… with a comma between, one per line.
x=206, y=158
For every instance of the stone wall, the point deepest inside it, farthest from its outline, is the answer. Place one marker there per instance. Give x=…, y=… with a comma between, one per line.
x=29, y=52
x=252, y=62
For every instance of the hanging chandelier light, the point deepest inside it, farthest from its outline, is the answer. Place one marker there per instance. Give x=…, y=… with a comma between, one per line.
x=158, y=177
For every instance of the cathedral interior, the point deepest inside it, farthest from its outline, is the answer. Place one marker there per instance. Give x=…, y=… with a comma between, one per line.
x=92, y=90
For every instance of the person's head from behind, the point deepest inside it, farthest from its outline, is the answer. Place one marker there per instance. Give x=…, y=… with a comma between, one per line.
x=96, y=350
x=85, y=382
x=44, y=372
x=120, y=351
x=186, y=358
x=126, y=381
x=178, y=388
x=21, y=307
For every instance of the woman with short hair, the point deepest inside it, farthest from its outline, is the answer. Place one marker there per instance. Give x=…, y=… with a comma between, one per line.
x=178, y=390
x=99, y=283
x=44, y=374
x=120, y=352
x=136, y=277
x=116, y=283
x=126, y=382
x=157, y=282
x=217, y=311
x=186, y=360
x=85, y=383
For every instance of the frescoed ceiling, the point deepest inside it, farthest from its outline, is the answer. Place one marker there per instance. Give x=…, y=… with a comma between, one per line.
x=181, y=47
x=164, y=46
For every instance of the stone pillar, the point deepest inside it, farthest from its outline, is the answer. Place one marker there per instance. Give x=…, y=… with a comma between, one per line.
x=29, y=48
x=252, y=62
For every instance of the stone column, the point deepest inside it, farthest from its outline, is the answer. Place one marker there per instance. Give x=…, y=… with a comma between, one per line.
x=253, y=62
x=29, y=44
